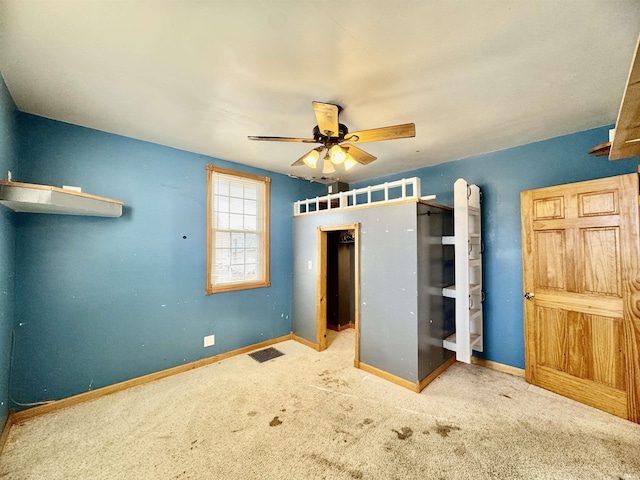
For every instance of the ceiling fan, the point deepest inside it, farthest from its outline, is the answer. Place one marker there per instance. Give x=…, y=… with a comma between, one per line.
x=335, y=138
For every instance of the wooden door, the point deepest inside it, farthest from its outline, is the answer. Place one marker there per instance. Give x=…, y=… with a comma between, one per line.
x=580, y=256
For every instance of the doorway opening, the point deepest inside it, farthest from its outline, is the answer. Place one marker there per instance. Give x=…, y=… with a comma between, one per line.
x=338, y=298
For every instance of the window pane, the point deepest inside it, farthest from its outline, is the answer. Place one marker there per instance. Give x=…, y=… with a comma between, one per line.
x=236, y=189
x=222, y=186
x=236, y=222
x=237, y=257
x=251, y=255
x=236, y=205
x=251, y=272
x=251, y=240
x=250, y=222
x=222, y=221
x=237, y=240
x=251, y=192
x=250, y=207
x=222, y=240
x=222, y=274
x=223, y=256
x=237, y=273
x=220, y=203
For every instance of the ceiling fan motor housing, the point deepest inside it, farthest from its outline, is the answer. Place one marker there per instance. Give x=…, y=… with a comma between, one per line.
x=326, y=140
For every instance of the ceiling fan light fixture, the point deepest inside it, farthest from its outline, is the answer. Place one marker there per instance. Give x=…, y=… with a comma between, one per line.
x=311, y=160
x=349, y=162
x=328, y=166
x=338, y=154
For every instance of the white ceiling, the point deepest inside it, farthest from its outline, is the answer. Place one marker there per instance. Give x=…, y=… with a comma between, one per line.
x=474, y=75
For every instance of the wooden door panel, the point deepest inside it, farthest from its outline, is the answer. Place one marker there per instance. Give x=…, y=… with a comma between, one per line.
x=601, y=256
x=550, y=264
x=552, y=323
x=581, y=253
x=548, y=208
x=584, y=346
x=605, y=398
x=604, y=346
x=598, y=203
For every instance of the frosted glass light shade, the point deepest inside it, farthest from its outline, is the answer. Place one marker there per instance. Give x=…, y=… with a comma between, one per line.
x=328, y=166
x=338, y=154
x=311, y=159
x=349, y=162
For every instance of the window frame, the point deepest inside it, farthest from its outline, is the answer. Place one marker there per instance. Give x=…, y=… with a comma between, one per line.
x=264, y=232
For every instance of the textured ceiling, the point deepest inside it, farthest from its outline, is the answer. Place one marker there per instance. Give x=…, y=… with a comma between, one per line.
x=474, y=76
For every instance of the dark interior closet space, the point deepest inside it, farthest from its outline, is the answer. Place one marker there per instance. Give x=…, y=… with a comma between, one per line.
x=436, y=270
x=340, y=280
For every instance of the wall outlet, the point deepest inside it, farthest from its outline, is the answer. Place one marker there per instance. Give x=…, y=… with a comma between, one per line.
x=209, y=340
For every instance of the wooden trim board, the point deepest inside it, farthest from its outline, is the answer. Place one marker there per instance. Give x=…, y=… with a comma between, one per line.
x=23, y=415
x=500, y=367
x=6, y=430
x=413, y=386
x=433, y=375
x=304, y=341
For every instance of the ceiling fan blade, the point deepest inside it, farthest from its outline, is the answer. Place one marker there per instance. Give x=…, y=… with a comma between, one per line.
x=405, y=130
x=327, y=118
x=283, y=139
x=360, y=156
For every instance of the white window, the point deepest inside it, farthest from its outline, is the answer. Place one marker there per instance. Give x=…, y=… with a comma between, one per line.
x=238, y=230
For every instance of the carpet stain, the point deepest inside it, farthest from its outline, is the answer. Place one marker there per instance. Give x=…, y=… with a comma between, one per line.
x=444, y=430
x=252, y=413
x=426, y=432
x=275, y=422
x=366, y=421
x=460, y=450
x=337, y=466
x=404, y=433
x=344, y=432
x=329, y=380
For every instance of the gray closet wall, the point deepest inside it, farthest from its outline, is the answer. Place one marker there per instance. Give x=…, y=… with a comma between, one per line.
x=396, y=333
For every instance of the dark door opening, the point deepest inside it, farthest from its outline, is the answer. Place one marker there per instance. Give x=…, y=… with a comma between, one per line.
x=340, y=280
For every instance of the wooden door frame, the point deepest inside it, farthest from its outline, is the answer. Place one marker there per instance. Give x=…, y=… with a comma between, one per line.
x=321, y=296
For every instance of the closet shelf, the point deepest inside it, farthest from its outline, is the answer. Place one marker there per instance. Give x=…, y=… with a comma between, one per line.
x=450, y=291
x=34, y=198
x=450, y=342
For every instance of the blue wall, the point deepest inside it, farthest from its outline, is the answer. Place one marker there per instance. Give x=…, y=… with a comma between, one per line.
x=102, y=300
x=502, y=176
x=7, y=248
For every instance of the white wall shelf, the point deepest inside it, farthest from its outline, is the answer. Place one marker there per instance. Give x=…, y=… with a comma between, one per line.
x=467, y=291
x=34, y=198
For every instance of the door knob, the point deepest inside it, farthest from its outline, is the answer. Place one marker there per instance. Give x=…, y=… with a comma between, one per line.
x=529, y=295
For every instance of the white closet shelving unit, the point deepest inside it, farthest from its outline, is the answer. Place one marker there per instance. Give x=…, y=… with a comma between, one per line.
x=467, y=290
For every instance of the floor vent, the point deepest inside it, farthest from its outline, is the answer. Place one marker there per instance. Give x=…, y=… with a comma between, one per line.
x=266, y=354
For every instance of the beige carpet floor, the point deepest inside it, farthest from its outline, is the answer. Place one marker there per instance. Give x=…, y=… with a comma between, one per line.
x=310, y=415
